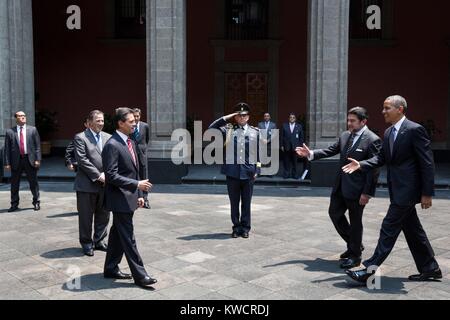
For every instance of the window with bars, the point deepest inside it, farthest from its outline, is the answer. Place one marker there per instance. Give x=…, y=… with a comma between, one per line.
x=247, y=19
x=130, y=19
x=358, y=20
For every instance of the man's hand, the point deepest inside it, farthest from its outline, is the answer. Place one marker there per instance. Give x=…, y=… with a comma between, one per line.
x=282, y=149
x=351, y=167
x=230, y=116
x=37, y=164
x=8, y=168
x=102, y=178
x=141, y=202
x=364, y=199
x=303, y=152
x=70, y=167
x=145, y=185
x=426, y=202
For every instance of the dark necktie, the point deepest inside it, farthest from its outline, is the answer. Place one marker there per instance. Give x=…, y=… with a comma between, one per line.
x=392, y=139
x=21, y=142
x=99, y=145
x=350, y=143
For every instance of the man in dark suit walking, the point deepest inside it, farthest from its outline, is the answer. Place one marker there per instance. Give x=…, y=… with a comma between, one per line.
x=350, y=192
x=123, y=195
x=23, y=153
x=141, y=136
x=89, y=184
x=241, y=165
x=410, y=174
x=291, y=138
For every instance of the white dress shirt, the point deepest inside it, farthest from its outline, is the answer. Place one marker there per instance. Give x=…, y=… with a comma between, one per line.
x=123, y=136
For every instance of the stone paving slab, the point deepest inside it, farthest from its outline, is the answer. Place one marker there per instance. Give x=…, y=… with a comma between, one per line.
x=184, y=240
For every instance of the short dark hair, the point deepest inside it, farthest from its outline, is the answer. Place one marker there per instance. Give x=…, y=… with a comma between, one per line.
x=15, y=114
x=121, y=115
x=93, y=114
x=292, y=114
x=359, y=112
x=137, y=110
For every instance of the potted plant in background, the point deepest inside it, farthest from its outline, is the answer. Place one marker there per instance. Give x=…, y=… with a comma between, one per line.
x=46, y=123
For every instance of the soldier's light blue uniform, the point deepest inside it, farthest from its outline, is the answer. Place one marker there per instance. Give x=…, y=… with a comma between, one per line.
x=241, y=164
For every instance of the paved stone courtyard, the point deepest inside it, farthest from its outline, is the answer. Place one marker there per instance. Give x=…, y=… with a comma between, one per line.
x=292, y=252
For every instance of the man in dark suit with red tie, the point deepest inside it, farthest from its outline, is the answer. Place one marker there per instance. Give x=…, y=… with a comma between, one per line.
x=23, y=154
x=291, y=138
x=408, y=157
x=123, y=195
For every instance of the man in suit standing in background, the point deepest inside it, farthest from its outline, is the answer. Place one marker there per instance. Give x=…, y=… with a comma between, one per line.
x=123, y=195
x=350, y=192
x=23, y=153
x=265, y=129
x=89, y=184
x=141, y=136
x=407, y=154
x=291, y=138
x=69, y=157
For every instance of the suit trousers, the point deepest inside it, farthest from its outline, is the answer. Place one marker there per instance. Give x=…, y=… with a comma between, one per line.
x=352, y=232
x=31, y=173
x=240, y=192
x=122, y=241
x=291, y=165
x=404, y=218
x=90, y=209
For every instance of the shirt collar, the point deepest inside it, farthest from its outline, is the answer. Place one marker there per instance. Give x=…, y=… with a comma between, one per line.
x=24, y=127
x=123, y=136
x=93, y=132
x=361, y=131
x=399, y=124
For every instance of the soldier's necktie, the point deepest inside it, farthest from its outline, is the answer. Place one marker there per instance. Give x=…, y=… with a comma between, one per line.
x=392, y=139
x=21, y=142
x=130, y=148
x=350, y=143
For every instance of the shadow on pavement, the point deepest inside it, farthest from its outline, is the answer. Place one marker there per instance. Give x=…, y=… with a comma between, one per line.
x=211, y=236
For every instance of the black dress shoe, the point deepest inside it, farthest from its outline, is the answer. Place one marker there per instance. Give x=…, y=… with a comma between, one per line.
x=89, y=252
x=347, y=254
x=245, y=235
x=427, y=276
x=146, y=283
x=360, y=276
x=13, y=208
x=117, y=275
x=37, y=207
x=101, y=247
x=234, y=234
x=147, y=204
x=351, y=263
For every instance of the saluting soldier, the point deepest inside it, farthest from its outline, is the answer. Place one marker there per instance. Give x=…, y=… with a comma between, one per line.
x=241, y=165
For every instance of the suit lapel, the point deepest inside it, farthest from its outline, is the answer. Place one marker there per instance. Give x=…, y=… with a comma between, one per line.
x=16, y=138
x=92, y=139
x=28, y=138
x=125, y=149
x=400, y=135
x=345, y=142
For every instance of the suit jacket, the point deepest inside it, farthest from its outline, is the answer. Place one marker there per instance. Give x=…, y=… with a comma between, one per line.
x=12, y=147
x=89, y=160
x=246, y=146
x=353, y=185
x=410, y=167
x=122, y=176
x=142, y=141
x=262, y=128
x=289, y=140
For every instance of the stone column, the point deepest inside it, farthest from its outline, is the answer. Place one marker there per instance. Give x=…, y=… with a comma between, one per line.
x=16, y=62
x=166, y=83
x=328, y=40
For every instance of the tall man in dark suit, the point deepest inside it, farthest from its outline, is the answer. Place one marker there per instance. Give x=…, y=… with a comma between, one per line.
x=123, y=195
x=89, y=184
x=141, y=136
x=350, y=192
x=291, y=138
x=23, y=153
x=410, y=174
x=241, y=165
